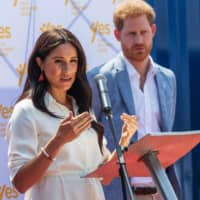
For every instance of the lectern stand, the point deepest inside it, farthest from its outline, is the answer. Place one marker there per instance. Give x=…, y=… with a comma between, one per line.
x=159, y=175
x=150, y=156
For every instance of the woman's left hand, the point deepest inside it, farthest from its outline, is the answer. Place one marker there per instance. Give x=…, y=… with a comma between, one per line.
x=128, y=129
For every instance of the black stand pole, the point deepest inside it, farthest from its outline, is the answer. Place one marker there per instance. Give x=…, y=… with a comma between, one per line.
x=122, y=165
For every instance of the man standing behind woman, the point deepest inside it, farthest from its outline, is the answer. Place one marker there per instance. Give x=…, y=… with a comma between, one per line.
x=137, y=85
x=54, y=141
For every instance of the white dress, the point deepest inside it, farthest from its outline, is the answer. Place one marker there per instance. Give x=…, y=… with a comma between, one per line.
x=29, y=129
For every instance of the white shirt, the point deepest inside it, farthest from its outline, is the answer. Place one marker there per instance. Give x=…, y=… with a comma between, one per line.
x=29, y=129
x=146, y=106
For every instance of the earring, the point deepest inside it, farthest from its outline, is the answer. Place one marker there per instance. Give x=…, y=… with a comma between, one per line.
x=41, y=77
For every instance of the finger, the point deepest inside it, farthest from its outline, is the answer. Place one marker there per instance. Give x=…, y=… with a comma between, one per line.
x=128, y=115
x=82, y=116
x=131, y=125
x=76, y=120
x=131, y=130
x=130, y=121
x=128, y=118
x=82, y=120
x=83, y=127
x=79, y=128
x=125, y=116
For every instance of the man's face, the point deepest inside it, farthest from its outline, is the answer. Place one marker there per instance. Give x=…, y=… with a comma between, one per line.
x=136, y=38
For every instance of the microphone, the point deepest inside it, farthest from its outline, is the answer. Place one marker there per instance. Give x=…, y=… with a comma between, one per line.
x=101, y=83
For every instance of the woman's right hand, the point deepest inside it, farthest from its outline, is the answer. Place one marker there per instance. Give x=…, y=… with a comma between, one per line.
x=32, y=171
x=71, y=127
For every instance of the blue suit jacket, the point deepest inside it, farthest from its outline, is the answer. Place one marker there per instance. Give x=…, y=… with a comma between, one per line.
x=122, y=101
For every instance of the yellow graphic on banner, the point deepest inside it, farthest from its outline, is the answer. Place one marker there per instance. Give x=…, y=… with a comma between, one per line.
x=101, y=28
x=21, y=70
x=115, y=1
x=8, y=192
x=5, y=32
x=49, y=26
x=15, y=3
x=5, y=111
x=65, y=2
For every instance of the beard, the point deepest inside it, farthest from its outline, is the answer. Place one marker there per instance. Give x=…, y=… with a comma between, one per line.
x=137, y=53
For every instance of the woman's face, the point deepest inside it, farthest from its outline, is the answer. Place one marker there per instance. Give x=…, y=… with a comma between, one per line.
x=60, y=67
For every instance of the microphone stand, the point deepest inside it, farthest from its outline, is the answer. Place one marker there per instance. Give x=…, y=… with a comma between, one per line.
x=121, y=161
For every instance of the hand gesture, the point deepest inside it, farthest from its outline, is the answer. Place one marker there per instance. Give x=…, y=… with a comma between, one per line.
x=71, y=127
x=128, y=129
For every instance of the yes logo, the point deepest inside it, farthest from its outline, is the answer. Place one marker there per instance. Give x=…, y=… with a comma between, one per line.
x=49, y=26
x=5, y=113
x=97, y=27
x=65, y=2
x=8, y=192
x=21, y=70
x=5, y=32
x=115, y=1
x=15, y=3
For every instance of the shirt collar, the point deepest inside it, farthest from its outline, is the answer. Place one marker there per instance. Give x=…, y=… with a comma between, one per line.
x=53, y=105
x=133, y=72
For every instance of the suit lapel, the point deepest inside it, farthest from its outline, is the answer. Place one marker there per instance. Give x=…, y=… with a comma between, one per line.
x=124, y=85
x=164, y=99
